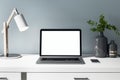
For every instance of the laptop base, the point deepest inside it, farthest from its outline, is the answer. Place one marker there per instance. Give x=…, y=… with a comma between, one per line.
x=66, y=60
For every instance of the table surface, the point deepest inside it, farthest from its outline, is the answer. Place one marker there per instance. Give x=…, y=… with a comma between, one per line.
x=27, y=63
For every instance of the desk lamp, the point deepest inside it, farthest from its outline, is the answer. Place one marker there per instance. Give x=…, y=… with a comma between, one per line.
x=22, y=25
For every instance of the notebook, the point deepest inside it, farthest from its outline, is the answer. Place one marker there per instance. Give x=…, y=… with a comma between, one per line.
x=60, y=46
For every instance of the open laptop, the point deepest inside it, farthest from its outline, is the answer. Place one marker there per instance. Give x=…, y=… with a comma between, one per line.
x=60, y=46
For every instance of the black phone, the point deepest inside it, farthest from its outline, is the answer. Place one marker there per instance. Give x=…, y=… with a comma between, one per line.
x=95, y=60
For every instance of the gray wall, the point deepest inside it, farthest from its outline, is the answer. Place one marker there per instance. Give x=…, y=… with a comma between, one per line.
x=57, y=14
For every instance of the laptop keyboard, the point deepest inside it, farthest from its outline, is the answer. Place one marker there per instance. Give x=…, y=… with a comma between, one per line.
x=60, y=59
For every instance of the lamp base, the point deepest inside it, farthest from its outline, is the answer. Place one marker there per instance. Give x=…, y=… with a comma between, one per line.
x=11, y=56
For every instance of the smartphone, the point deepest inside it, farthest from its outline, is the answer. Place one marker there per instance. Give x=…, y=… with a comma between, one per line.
x=95, y=61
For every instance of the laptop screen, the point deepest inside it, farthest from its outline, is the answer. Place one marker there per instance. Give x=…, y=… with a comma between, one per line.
x=60, y=42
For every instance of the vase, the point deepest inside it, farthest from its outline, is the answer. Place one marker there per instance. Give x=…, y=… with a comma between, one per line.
x=101, y=46
x=112, y=49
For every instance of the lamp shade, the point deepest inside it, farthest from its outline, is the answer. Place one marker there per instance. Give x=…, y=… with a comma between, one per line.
x=21, y=23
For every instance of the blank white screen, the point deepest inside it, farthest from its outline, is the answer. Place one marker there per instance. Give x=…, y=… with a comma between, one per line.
x=60, y=43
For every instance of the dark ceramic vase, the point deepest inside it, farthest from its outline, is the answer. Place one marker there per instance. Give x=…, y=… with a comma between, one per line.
x=101, y=46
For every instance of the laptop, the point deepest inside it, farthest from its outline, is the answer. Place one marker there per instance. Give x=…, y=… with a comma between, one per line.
x=60, y=46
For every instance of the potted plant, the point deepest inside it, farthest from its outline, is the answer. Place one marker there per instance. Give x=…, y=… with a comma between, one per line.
x=101, y=46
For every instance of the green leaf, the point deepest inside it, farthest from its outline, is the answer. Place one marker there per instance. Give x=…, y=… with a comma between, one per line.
x=102, y=20
x=102, y=25
x=113, y=28
x=92, y=23
x=100, y=29
x=93, y=29
x=108, y=27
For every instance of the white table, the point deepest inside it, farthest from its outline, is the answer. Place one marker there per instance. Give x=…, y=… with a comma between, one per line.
x=107, y=69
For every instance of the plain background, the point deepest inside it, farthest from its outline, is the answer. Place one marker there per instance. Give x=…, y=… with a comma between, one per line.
x=57, y=14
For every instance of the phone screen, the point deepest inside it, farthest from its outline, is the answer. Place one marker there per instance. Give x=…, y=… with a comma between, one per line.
x=95, y=60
